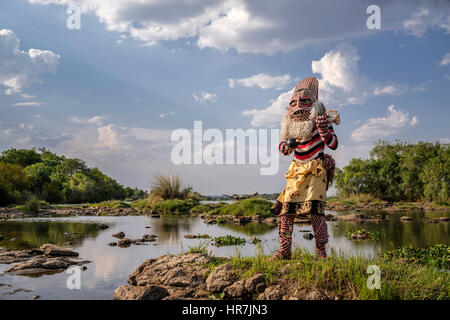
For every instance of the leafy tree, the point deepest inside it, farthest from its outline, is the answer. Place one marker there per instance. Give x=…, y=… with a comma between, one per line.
x=399, y=172
x=20, y=157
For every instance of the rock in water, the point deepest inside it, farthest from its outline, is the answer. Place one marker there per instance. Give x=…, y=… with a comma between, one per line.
x=1, y=237
x=308, y=236
x=41, y=265
x=124, y=242
x=119, y=235
x=55, y=251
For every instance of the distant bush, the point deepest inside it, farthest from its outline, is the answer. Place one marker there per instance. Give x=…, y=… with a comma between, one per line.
x=169, y=187
x=246, y=207
x=174, y=206
x=114, y=204
x=33, y=205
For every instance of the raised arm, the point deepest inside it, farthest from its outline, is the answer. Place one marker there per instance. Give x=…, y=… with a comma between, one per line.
x=326, y=132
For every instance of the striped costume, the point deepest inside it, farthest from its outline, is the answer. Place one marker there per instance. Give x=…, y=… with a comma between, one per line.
x=305, y=131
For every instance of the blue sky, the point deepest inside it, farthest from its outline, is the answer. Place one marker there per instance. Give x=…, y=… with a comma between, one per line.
x=112, y=92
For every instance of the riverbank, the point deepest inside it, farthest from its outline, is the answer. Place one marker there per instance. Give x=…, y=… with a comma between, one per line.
x=304, y=277
x=373, y=204
x=239, y=212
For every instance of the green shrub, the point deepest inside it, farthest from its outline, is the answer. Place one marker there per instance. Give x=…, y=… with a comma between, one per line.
x=246, y=207
x=228, y=240
x=174, y=206
x=32, y=205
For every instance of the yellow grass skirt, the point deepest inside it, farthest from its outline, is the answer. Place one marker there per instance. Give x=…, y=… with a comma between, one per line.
x=306, y=189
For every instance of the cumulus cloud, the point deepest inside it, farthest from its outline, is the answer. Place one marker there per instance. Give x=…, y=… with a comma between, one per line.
x=205, y=96
x=18, y=67
x=340, y=84
x=112, y=137
x=262, y=80
x=376, y=128
x=270, y=116
x=263, y=26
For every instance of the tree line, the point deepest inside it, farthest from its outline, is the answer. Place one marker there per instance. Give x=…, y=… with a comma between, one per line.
x=399, y=171
x=56, y=179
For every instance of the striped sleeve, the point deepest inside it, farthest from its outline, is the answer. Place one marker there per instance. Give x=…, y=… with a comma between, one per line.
x=329, y=137
x=284, y=149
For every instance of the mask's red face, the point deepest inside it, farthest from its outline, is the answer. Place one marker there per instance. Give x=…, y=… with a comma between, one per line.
x=300, y=105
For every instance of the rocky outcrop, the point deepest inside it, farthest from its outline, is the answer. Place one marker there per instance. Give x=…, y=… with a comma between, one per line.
x=40, y=265
x=150, y=292
x=189, y=277
x=181, y=276
x=56, y=251
x=220, y=278
x=49, y=258
x=13, y=256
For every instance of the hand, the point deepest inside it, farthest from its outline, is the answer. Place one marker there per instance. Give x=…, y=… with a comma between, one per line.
x=292, y=143
x=322, y=122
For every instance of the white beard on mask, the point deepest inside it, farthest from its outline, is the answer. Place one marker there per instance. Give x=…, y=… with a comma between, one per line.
x=301, y=130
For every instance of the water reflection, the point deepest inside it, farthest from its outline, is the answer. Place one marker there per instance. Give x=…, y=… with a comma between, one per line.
x=250, y=229
x=29, y=234
x=112, y=265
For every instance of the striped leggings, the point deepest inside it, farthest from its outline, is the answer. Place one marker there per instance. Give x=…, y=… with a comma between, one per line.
x=285, y=229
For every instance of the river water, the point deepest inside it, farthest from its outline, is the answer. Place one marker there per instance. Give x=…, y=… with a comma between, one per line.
x=111, y=266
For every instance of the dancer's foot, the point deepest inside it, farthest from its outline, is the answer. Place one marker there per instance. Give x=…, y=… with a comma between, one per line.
x=279, y=256
x=321, y=253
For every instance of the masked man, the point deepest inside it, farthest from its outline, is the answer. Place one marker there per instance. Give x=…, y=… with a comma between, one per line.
x=305, y=131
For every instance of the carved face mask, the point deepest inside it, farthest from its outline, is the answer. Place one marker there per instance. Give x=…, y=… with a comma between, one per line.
x=305, y=94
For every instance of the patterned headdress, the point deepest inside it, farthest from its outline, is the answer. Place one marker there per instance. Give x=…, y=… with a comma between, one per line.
x=306, y=90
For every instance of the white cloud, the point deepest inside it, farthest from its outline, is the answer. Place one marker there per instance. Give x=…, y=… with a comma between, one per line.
x=270, y=116
x=164, y=115
x=262, y=80
x=340, y=84
x=376, y=128
x=112, y=137
x=445, y=60
x=98, y=120
x=428, y=18
x=257, y=26
x=18, y=68
x=27, y=104
x=389, y=90
x=205, y=96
